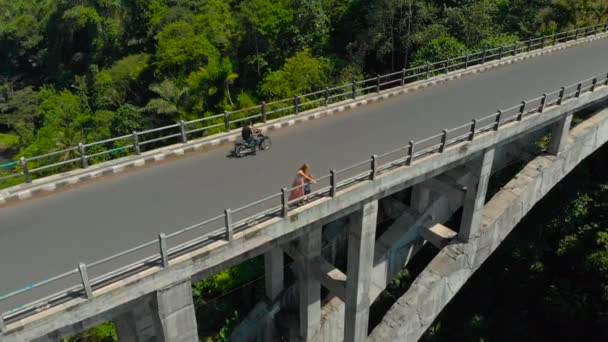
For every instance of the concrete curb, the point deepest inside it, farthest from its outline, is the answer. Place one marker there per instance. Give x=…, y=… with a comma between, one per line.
x=56, y=182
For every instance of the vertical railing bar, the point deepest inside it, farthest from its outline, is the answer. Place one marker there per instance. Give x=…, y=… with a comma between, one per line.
x=86, y=284
x=444, y=139
x=410, y=158
x=333, y=182
x=136, y=143
x=227, y=121
x=473, y=128
x=522, y=110
x=26, y=170
x=182, y=127
x=543, y=102
x=497, y=123
x=228, y=223
x=562, y=91
x=284, y=203
x=264, y=118
x=374, y=167
x=162, y=245
x=83, y=155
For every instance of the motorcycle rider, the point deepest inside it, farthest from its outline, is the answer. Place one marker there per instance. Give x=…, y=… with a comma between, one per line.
x=250, y=134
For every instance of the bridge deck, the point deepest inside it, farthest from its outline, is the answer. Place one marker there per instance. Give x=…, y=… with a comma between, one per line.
x=46, y=236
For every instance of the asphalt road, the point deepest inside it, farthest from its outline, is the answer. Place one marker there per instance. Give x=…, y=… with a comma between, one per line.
x=46, y=236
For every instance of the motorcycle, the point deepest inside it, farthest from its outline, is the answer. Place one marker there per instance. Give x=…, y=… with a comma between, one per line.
x=243, y=148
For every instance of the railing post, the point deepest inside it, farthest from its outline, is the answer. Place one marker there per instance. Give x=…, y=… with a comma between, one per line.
x=529, y=47
x=182, y=127
x=374, y=167
x=473, y=128
x=444, y=140
x=26, y=170
x=562, y=91
x=264, y=119
x=2, y=324
x=227, y=121
x=447, y=66
x=136, y=143
x=86, y=284
x=164, y=252
x=296, y=104
x=428, y=70
x=542, y=42
x=403, y=77
x=377, y=83
x=284, y=203
x=83, y=155
x=576, y=34
x=410, y=157
x=483, y=56
x=522, y=110
x=497, y=123
x=332, y=182
x=593, y=84
x=326, y=97
x=500, y=52
x=554, y=39
x=466, y=61
x=606, y=27
x=228, y=223
x=579, y=87
x=354, y=90
x=514, y=49
x=543, y=102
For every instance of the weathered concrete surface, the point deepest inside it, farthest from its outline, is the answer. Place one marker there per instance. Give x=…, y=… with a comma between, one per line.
x=176, y=313
x=415, y=311
x=276, y=232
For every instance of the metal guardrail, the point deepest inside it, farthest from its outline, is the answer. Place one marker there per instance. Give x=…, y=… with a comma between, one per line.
x=86, y=278
x=84, y=155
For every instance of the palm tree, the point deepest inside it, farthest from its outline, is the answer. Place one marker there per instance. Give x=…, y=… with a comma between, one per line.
x=171, y=100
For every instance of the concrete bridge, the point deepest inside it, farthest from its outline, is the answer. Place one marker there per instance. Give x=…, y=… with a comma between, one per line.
x=450, y=170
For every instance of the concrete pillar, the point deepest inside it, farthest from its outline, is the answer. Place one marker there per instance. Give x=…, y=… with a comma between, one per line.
x=361, y=241
x=559, y=134
x=421, y=196
x=273, y=269
x=176, y=313
x=308, y=285
x=476, y=195
x=140, y=324
x=273, y=272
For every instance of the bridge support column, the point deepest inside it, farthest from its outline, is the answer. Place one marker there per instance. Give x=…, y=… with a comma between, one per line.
x=421, y=196
x=361, y=242
x=176, y=313
x=139, y=324
x=308, y=284
x=559, y=134
x=273, y=269
x=475, y=196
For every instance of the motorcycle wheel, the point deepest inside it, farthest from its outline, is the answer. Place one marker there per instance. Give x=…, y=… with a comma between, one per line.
x=239, y=150
x=265, y=144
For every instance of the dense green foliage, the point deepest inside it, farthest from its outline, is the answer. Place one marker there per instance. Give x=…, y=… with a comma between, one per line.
x=82, y=70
